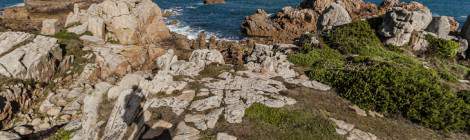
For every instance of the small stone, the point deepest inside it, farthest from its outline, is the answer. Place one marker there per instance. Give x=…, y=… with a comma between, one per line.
x=208, y=103
x=23, y=130
x=50, y=27
x=66, y=117
x=4, y=135
x=375, y=114
x=357, y=134
x=343, y=125
x=341, y=131
x=358, y=110
x=162, y=124
x=44, y=126
x=36, y=122
x=54, y=111
x=92, y=40
x=73, y=125
x=225, y=136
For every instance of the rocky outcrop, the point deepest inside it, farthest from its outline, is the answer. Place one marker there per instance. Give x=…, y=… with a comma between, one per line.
x=267, y=60
x=114, y=59
x=441, y=26
x=124, y=113
x=50, y=6
x=399, y=23
x=15, y=97
x=123, y=21
x=291, y=23
x=334, y=15
x=30, y=60
x=466, y=29
x=356, y=8
x=214, y=1
x=198, y=60
x=344, y=128
x=387, y=5
x=286, y=25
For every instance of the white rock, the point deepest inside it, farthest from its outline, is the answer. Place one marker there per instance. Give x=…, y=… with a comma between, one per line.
x=162, y=124
x=96, y=26
x=357, y=134
x=333, y=16
x=184, y=132
x=234, y=112
x=31, y=61
x=8, y=40
x=50, y=27
x=73, y=125
x=92, y=40
x=123, y=114
x=54, y=111
x=74, y=16
x=265, y=60
x=207, y=56
x=178, y=104
x=162, y=82
x=343, y=125
x=9, y=136
x=90, y=126
x=225, y=136
x=23, y=130
x=358, y=110
x=399, y=23
x=127, y=82
x=207, y=103
x=80, y=29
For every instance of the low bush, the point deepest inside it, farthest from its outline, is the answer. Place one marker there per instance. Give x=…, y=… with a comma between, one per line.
x=442, y=48
x=387, y=81
x=351, y=38
x=293, y=125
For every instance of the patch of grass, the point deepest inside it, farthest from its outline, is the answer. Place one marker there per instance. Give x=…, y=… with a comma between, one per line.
x=446, y=49
x=295, y=125
x=64, y=35
x=214, y=70
x=318, y=56
x=62, y=135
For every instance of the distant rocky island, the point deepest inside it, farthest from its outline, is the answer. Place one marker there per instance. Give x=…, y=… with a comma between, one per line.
x=325, y=69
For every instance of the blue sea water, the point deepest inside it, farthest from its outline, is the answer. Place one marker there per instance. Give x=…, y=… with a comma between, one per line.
x=224, y=20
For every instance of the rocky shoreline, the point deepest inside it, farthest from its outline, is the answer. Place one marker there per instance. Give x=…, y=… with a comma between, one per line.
x=111, y=69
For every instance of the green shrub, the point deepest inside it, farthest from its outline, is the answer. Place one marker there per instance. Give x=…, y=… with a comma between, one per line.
x=386, y=80
x=293, y=125
x=320, y=56
x=442, y=48
x=64, y=35
x=61, y=135
x=351, y=38
x=464, y=95
x=415, y=92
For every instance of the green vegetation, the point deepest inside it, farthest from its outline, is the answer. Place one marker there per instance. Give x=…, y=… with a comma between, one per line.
x=373, y=77
x=72, y=46
x=64, y=35
x=62, y=135
x=442, y=48
x=295, y=125
x=214, y=70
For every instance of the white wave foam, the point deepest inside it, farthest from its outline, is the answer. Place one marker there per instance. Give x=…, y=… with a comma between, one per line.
x=177, y=11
